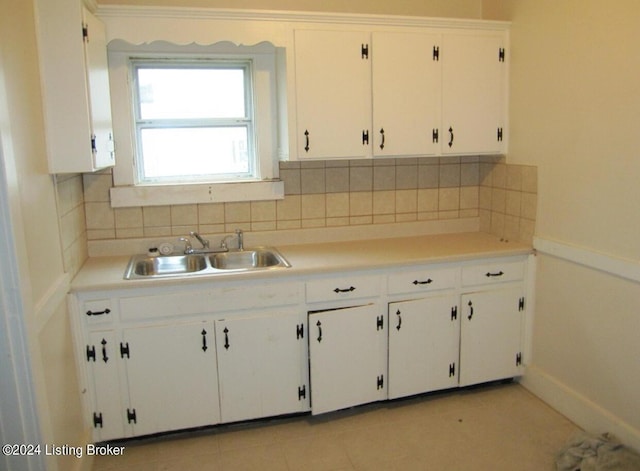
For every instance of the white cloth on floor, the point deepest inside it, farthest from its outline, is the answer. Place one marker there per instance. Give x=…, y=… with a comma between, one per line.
x=588, y=453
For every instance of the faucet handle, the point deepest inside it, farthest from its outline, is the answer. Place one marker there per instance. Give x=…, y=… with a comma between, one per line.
x=187, y=245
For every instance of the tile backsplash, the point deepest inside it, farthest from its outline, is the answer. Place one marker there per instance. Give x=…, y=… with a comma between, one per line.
x=319, y=194
x=71, y=213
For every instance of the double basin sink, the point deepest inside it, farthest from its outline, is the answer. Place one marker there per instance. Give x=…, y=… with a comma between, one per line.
x=262, y=258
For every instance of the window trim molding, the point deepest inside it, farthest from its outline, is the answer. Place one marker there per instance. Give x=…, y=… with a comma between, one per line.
x=164, y=195
x=127, y=193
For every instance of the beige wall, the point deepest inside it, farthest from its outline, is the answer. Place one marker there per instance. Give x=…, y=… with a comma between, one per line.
x=575, y=113
x=32, y=195
x=444, y=8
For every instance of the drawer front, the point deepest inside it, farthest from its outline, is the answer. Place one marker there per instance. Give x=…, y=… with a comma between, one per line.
x=422, y=280
x=98, y=311
x=347, y=287
x=210, y=301
x=493, y=272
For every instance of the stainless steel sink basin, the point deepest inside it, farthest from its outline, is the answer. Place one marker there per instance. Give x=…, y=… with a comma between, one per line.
x=248, y=260
x=145, y=266
x=261, y=258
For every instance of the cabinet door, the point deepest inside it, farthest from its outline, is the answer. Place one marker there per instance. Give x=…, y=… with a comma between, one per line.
x=424, y=339
x=106, y=410
x=172, y=376
x=473, y=93
x=333, y=94
x=98, y=89
x=490, y=340
x=347, y=349
x=262, y=365
x=69, y=84
x=406, y=94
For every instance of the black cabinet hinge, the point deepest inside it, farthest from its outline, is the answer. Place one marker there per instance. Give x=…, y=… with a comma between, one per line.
x=365, y=137
x=521, y=304
x=131, y=416
x=302, y=392
x=434, y=136
x=97, y=419
x=454, y=313
x=91, y=352
x=380, y=382
x=452, y=369
x=518, y=359
x=85, y=32
x=436, y=53
x=364, y=51
x=379, y=322
x=94, y=148
x=501, y=54
x=300, y=331
x=124, y=350
x=499, y=134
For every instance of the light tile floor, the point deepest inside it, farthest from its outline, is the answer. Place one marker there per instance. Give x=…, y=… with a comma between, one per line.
x=494, y=427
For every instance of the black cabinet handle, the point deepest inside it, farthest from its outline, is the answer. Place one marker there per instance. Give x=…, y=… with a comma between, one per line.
x=319, y=324
x=382, y=136
x=226, y=338
x=98, y=313
x=450, y=136
x=306, y=135
x=105, y=358
x=490, y=275
x=204, y=340
x=344, y=290
x=470, y=310
x=399, y=319
x=428, y=281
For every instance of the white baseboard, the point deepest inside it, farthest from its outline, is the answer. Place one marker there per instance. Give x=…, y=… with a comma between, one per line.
x=579, y=409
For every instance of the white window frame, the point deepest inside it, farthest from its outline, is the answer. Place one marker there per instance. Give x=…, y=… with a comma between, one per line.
x=127, y=192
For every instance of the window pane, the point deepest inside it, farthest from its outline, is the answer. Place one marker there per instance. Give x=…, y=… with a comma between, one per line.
x=191, y=93
x=194, y=152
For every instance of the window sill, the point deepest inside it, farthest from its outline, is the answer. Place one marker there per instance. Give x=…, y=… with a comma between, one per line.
x=164, y=195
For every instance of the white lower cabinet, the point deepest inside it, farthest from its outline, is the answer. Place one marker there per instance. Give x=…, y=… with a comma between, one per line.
x=424, y=339
x=154, y=359
x=490, y=338
x=348, y=357
x=171, y=372
x=259, y=365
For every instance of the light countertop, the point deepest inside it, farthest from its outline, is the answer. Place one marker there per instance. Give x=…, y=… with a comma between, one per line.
x=100, y=273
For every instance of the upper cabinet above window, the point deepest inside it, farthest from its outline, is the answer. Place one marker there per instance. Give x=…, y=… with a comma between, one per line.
x=75, y=87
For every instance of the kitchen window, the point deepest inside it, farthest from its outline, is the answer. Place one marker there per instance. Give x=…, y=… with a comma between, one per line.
x=194, y=124
x=193, y=121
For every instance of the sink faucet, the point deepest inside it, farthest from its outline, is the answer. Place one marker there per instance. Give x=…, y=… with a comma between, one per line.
x=239, y=235
x=188, y=248
x=204, y=242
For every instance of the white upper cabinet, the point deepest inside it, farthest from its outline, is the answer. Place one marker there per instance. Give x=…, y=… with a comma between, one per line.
x=406, y=94
x=333, y=94
x=75, y=87
x=474, y=75
x=398, y=93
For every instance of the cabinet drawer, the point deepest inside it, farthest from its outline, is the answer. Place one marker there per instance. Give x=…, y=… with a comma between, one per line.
x=494, y=272
x=97, y=311
x=210, y=301
x=347, y=287
x=422, y=280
